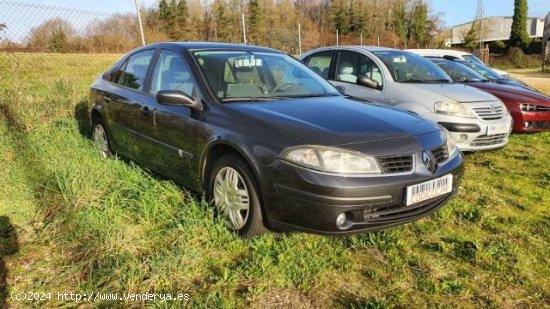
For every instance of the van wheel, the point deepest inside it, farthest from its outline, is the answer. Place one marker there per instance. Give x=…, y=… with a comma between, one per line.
x=234, y=193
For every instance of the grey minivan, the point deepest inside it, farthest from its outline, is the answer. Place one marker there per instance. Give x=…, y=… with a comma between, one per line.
x=476, y=119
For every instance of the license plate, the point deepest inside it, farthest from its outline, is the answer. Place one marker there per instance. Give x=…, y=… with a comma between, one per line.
x=498, y=128
x=429, y=189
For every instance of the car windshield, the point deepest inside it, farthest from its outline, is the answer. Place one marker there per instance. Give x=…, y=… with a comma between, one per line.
x=460, y=73
x=472, y=58
x=256, y=76
x=407, y=67
x=482, y=69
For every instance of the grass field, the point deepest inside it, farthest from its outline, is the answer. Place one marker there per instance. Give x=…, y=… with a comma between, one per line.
x=70, y=221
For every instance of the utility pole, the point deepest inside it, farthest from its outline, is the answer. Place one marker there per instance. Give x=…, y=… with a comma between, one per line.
x=244, y=29
x=140, y=23
x=479, y=19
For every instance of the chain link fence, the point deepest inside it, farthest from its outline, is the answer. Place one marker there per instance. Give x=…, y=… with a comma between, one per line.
x=28, y=27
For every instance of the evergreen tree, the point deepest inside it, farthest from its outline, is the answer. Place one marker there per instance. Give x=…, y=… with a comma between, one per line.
x=419, y=20
x=519, y=37
x=255, y=18
x=400, y=21
x=339, y=16
x=163, y=10
x=181, y=16
x=472, y=36
x=170, y=21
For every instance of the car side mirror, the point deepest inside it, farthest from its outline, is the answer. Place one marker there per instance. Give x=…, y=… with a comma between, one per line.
x=341, y=89
x=368, y=82
x=176, y=97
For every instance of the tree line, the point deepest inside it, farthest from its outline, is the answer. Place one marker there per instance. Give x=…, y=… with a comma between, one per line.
x=274, y=23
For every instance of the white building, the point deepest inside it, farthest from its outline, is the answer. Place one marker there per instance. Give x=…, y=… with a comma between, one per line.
x=496, y=28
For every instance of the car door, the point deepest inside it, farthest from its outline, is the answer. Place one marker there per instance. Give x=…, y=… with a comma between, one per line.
x=176, y=129
x=352, y=65
x=130, y=106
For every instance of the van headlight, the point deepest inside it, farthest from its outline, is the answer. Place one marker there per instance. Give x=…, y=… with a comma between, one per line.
x=453, y=108
x=331, y=160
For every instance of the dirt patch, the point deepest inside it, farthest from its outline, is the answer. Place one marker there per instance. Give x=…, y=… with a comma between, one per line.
x=534, y=78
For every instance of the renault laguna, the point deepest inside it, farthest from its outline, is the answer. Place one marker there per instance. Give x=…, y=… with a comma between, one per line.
x=269, y=143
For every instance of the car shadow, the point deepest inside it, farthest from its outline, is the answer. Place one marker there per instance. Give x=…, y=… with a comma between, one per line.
x=82, y=118
x=8, y=246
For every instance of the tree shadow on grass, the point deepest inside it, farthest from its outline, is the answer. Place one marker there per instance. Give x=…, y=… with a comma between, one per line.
x=8, y=246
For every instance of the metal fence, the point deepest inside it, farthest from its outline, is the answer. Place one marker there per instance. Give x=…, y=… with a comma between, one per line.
x=29, y=27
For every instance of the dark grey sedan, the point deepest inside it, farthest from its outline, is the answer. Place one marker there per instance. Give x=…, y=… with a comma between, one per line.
x=269, y=142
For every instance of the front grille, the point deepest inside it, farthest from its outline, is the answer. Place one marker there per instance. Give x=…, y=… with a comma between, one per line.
x=541, y=125
x=440, y=153
x=485, y=140
x=489, y=111
x=396, y=164
x=534, y=108
x=388, y=215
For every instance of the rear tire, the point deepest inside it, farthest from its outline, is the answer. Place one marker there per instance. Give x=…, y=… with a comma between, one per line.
x=101, y=138
x=233, y=191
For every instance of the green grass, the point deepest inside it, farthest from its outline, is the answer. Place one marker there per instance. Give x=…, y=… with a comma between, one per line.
x=86, y=224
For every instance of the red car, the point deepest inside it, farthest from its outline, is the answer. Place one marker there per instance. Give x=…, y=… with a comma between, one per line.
x=529, y=109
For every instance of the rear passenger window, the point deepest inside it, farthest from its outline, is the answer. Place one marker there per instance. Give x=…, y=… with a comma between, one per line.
x=320, y=63
x=135, y=70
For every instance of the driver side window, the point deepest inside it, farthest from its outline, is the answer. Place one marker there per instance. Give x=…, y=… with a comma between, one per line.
x=172, y=73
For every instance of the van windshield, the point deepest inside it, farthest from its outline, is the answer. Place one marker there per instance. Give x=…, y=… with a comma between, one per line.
x=406, y=67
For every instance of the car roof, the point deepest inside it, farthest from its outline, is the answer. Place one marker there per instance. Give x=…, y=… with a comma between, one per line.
x=357, y=48
x=439, y=52
x=210, y=45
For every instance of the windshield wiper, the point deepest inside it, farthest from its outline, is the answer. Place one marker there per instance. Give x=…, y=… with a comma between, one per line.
x=240, y=99
x=315, y=95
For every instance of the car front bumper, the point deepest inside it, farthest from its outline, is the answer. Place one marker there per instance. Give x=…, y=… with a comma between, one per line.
x=531, y=121
x=472, y=134
x=304, y=200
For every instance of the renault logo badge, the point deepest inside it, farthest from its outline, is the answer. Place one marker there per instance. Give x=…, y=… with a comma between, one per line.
x=429, y=161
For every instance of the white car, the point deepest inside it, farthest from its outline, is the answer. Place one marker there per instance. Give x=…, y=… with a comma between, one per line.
x=462, y=55
x=476, y=119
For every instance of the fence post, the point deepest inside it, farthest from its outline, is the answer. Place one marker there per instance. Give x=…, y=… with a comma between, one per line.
x=337, y=37
x=244, y=29
x=378, y=40
x=361, y=38
x=140, y=23
x=299, y=39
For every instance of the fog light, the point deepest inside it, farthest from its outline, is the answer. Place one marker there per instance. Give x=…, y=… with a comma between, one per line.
x=462, y=138
x=526, y=124
x=342, y=221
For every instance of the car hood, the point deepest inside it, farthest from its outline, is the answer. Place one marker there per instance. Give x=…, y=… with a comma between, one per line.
x=513, y=93
x=455, y=91
x=337, y=120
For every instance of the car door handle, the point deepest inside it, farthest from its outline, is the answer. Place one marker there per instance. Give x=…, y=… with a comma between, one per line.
x=145, y=111
x=107, y=98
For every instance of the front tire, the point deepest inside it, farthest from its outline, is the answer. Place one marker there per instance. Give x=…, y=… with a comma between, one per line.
x=234, y=193
x=101, y=138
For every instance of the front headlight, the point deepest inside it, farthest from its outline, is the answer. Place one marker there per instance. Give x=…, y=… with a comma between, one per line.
x=450, y=141
x=453, y=108
x=331, y=160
